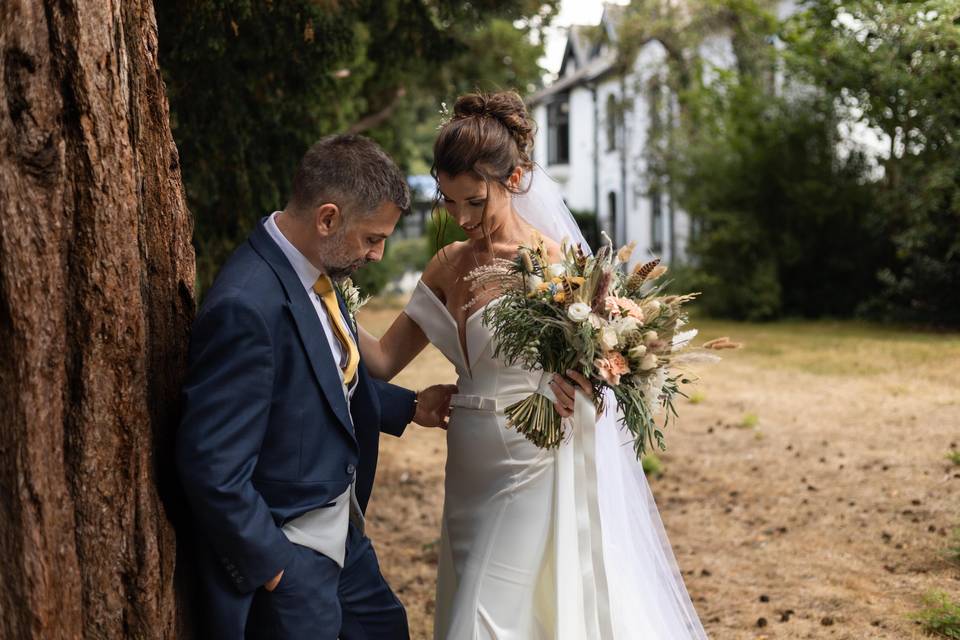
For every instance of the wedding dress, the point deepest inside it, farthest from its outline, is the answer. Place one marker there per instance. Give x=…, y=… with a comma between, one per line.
x=561, y=544
x=535, y=545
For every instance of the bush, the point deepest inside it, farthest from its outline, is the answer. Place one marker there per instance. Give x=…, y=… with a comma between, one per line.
x=399, y=256
x=587, y=221
x=941, y=615
x=652, y=465
x=410, y=254
x=785, y=226
x=372, y=277
x=441, y=231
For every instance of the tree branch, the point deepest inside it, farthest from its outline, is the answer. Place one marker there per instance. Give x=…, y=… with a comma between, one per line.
x=372, y=120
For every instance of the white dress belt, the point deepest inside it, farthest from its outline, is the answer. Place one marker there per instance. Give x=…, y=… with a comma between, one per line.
x=500, y=403
x=482, y=403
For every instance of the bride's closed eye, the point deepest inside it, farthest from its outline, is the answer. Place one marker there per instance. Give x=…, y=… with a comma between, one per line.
x=472, y=203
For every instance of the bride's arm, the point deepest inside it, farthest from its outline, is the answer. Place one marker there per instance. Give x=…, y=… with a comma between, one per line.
x=387, y=356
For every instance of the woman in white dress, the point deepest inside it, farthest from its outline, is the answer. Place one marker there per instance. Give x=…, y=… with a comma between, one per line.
x=535, y=544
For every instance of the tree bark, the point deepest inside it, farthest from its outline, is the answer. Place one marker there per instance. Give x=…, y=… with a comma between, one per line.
x=96, y=296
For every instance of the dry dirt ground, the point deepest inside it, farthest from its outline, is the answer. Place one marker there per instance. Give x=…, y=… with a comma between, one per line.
x=806, y=489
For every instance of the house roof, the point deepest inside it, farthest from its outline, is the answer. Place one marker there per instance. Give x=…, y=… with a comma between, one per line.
x=594, y=69
x=592, y=60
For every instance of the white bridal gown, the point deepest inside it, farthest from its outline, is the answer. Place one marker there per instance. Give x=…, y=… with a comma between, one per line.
x=542, y=544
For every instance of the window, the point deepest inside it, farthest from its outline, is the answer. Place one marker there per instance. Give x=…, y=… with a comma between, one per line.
x=558, y=131
x=656, y=221
x=613, y=122
x=657, y=107
x=612, y=214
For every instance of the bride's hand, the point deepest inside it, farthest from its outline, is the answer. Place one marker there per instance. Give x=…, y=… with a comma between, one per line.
x=565, y=391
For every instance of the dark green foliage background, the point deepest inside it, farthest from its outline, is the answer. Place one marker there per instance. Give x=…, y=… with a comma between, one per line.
x=253, y=84
x=789, y=228
x=789, y=219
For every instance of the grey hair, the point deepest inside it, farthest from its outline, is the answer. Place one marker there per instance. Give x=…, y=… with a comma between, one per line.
x=350, y=171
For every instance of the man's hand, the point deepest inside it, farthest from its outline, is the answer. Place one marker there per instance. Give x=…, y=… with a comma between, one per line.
x=565, y=391
x=270, y=586
x=433, y=405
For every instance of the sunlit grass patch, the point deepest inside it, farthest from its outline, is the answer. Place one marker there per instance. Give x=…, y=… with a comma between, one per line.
x=954, y=457
x=749, y=421
x=839, y=348
x=652, y=464
x=940, y=616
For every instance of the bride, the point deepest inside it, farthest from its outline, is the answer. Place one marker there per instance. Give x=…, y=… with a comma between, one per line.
x=535, y=544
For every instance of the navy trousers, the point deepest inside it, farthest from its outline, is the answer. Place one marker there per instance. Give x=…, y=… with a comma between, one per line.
x=317, y=600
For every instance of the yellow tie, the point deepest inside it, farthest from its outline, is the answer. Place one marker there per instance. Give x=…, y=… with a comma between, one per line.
x=323, y=287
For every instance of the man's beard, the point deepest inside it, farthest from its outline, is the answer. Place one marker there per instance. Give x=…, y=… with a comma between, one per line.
x=339, y=268
x=339, y=265
x=345, y=271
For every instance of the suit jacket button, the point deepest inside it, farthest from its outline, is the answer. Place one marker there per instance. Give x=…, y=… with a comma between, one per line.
x=351, y=469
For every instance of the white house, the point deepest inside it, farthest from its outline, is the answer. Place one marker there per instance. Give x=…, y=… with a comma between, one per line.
x=598, y=127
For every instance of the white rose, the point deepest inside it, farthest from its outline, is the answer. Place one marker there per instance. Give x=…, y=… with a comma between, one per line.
x=638, y=351
x=650, y=336
x=649, y=362
x=596, y=321
x=608, y=338
x=556, y=270
x=578, y=311
x=626, y=326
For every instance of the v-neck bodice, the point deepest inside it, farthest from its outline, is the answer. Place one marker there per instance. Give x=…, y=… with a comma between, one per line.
x=479, y=371
x=442, y=329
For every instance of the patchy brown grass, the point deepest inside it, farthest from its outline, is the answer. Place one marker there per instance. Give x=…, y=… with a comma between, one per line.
x=806, y=491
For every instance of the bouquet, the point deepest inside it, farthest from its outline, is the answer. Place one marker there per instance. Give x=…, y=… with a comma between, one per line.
x=585, y=313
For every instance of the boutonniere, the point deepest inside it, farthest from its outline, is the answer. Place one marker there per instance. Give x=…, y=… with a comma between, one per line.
x=352, y=298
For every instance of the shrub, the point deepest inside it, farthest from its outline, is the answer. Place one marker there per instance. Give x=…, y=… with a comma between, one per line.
x=441, y=231
x=941, y=616
x=652, y=465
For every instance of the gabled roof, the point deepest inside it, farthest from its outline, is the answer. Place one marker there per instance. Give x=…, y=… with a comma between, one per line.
x=594, y=69
x=591, y=58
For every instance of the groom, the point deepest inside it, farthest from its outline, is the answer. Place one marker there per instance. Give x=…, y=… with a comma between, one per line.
x=277, y=448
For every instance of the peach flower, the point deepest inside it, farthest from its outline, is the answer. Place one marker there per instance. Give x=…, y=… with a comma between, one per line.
x=611, y=366
x=617, y=307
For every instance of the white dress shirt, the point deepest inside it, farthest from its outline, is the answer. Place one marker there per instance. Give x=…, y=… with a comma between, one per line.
x=323, y=530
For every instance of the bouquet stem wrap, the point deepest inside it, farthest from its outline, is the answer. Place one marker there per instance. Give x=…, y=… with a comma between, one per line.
x=536, y=417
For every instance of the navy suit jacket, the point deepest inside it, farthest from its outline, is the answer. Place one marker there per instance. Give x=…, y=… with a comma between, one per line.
x=266, y=433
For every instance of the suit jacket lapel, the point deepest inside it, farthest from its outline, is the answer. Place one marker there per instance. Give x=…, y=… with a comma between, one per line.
x=308, y=325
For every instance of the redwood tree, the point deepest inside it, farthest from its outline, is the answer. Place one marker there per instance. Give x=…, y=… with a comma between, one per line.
x=96, y=296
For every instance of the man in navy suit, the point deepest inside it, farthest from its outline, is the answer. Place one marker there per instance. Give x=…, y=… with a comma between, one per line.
x=277, y=448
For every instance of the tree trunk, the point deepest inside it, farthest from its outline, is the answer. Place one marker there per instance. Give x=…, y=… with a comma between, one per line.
x=96, y=296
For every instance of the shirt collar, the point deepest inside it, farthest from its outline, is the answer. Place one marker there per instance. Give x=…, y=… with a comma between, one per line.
x=304, y=269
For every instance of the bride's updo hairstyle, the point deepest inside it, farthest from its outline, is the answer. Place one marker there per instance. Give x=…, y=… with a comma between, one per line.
x=489, y=134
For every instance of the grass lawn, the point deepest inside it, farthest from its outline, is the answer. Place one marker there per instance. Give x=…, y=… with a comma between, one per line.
x=807, y=489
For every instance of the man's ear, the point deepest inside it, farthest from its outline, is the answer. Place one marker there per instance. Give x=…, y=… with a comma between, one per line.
x=328, y=219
